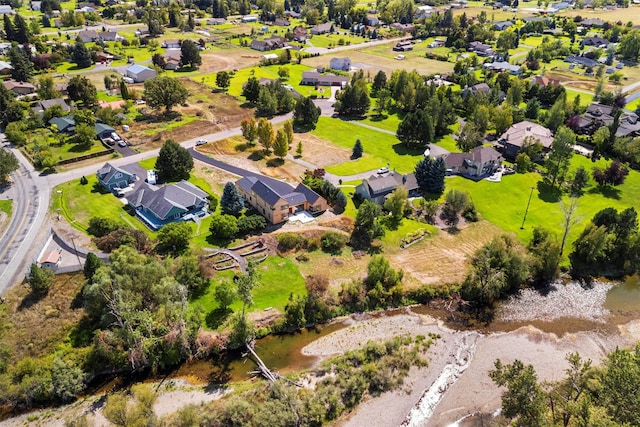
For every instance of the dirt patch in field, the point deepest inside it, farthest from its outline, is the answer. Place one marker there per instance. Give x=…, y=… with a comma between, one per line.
x=443, y=258
x=320, y=152
x=215, y=111
x=215, y=177
x=232, y=59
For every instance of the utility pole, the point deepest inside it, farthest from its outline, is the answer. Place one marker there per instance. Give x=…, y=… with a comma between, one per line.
x=527, y=209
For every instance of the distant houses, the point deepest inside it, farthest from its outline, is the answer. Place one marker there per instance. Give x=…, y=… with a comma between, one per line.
x=502, y=25
x=403, y=46
x=276, y=200
x=172, y=44
x=481, y=49
x=271, y=43
x=518, y=134
x=43, y=105
x=19, y=88
x=504, y=66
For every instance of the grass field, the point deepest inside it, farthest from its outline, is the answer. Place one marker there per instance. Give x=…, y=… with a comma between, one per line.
x=504, y=203
x=279, y=277
x=381, y=149
x=270, y=72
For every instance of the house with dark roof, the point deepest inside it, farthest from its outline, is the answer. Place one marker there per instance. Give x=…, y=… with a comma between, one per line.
x=521, y=133
x=504, y=66
x=110, y=177
x=581, y=60
x=594, y=41
x=480, y=162
x=42, y=106
x=377, y=187
x=481, y=49
x=314, y=78
x=276, y=200
x=502, y=25
x=66, y=124
x=88, y=36
x=321, y=28
x=300, y=34
x=271, y=43
x=592, y=22
x=158, y=206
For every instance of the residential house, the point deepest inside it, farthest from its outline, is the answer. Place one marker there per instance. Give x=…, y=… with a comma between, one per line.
x=36, y=6
x=373, y=21
x=423, y=11
x=4, y=47
x=592, y=22
x=598, y=115
x=110, y=177
x=403, y=46
x=502, y=25
x=66, y=124
x=173, y=60
x=377, y=187
x=314, y=78
x=42, y=106
x=292, y=14
x=271, y=43
x=51, y=260
x=594, y=41
x=280, y=22
x=407, y=28
x=63, y=88
x=19, y=88
x=140, y=73
x=5, y=68
x=249, y=18
x=88, y=36
x=581, y=60
x=562, y=5
x=110, y=36
x=86, y=9
x=479, y=88
x=514, y=70
x=342, y=64
x=628, y=125
x=480, y=162
x=544, y=81
x=325, y=28
x=437, y=43
x=300, y=34
x=171, y=44
x=481, y=49
x=216, y=21
x=5, y=9
x=518, y=134
x=276, y=200
x=158, y=206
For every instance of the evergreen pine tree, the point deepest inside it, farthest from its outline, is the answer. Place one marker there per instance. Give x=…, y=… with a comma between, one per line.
x=22, y=30
x=357, y=150
x=430, y=174
x=124, y=91
x=231, y=202
x=9, y=29
x=91, y=265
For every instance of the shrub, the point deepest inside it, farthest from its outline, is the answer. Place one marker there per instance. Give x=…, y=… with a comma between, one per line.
x=289, y=241
x=251, y=223
x=224, y=226
x=100, y=227
x=333, y=242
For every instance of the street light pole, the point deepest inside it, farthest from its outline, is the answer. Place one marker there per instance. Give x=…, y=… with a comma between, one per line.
x=527, y=209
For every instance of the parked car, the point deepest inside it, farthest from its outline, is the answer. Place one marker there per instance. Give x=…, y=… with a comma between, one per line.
x=201, y=142
x=115, y=136
x=383, y=170
x=109, y=141
x=121, y=143
x=117, y=191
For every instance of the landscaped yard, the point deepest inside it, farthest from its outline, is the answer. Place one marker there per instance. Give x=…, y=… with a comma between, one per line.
x=5, y=206
x=271, y=72
x=279, y=277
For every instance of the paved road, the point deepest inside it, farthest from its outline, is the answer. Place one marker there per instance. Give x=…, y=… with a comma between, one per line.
x=30, y=202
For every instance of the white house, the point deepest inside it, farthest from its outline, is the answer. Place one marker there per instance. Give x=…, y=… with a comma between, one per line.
x=250, y=18
x=343, y=64
x=5, y=9
x=140, y=73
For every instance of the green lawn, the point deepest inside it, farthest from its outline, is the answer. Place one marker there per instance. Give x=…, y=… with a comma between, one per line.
x=504, y=203
x=333, y=40
x=270, y=72
x=388, y=122
x=585, y=98
x=392, y=238
x=633, y=105
x=77, y=203
x=279, y=277
x=6, y=207
x=381, y=149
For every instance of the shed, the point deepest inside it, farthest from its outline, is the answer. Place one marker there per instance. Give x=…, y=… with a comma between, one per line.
x=140, y=73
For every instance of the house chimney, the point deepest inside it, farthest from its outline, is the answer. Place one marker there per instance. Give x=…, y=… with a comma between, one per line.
x=404, y=179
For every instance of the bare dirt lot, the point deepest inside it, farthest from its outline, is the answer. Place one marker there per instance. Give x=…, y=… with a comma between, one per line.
x=229, y=59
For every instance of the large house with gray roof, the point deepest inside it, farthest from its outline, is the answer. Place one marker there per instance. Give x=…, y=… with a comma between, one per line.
x=276, y=200
x=480, y=162
x=376, y=188
x=158, y=206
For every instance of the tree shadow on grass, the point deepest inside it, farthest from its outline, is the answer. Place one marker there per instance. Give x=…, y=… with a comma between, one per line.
x=606, y=191
x=81, y=335
x=97, y=188
x=218, y=241
x=256, y=155
x=29, y=301
x=275, y=163
x=216, y=318
x=548, y=193
x=402, y=150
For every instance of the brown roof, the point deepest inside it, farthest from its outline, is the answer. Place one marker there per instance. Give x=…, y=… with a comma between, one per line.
x=52, y=257
x=12, y=84
x=517, y=133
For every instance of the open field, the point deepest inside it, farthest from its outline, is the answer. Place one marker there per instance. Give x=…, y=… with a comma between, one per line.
x=621, y=14
x=380, y=149
x=379, y=59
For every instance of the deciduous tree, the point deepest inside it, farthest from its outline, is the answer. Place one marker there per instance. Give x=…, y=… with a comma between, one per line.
x=8, y=164
x=249, y=130
x=164, y=92
x=265, y=134
x=82, y=90
x=190, y=55
x=174, y=162
x=306, y=113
